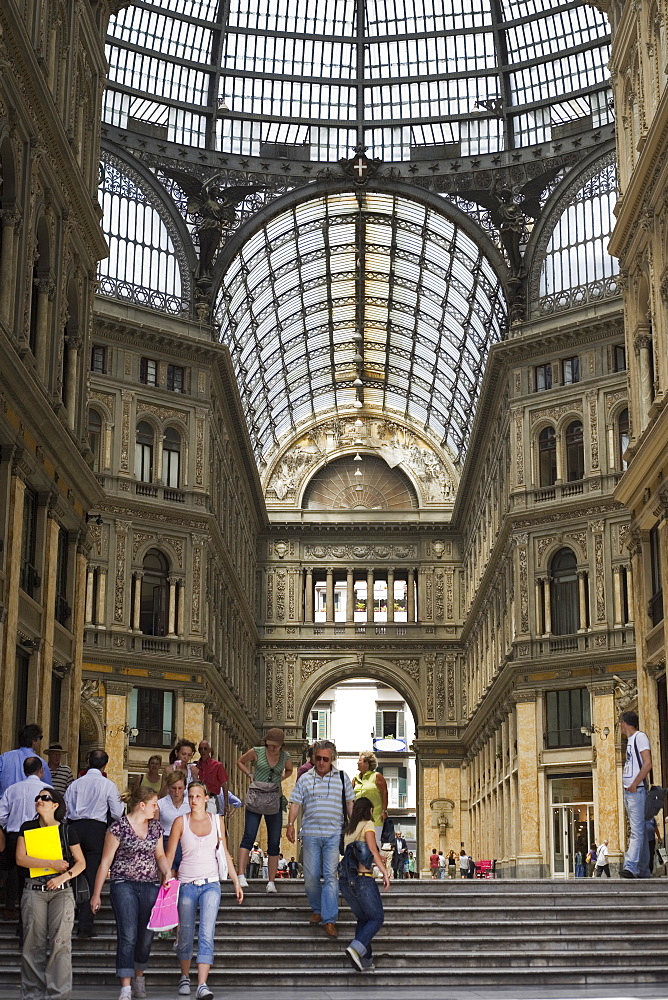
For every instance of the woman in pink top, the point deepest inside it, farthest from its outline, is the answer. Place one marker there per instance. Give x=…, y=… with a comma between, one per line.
x=199, y=885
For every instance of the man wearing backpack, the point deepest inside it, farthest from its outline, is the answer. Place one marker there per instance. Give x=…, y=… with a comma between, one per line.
x=637, y=765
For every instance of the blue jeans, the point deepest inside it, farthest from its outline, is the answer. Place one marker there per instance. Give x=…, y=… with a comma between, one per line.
x=636, y=859
x=320, y=859
x=273, y=824
x=132, y=903
x=207, y=897
x=364, y=900
x=178, y=854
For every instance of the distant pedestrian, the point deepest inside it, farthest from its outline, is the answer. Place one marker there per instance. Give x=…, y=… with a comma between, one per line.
x=61, y=775
x=293, y=868
x=602, y=865
x=463, y=864
x=580, y=870
x=255, y=861
x=591, y=859
x=452, y=865
x=653, y=836
x=91, y=801
x=442, y=865
x=152, y=777
x=471, y=872
x=400, y=855
x=214, y=776
x=412, y=868
x=433, y=863
x=307, y=765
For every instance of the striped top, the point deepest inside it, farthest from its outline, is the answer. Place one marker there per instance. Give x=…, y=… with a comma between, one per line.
x=321, y=801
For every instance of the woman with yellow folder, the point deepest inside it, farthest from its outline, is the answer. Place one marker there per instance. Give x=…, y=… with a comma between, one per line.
x=47, y=904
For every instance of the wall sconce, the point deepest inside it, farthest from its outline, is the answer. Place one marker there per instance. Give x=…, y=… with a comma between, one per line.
x=95, y=518
x=590, y=730
x=116, y=730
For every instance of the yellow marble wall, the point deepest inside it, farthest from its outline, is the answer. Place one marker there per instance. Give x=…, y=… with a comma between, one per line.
x=193, y=722
x=115, y=738
x=609, y=798
x=529, y=854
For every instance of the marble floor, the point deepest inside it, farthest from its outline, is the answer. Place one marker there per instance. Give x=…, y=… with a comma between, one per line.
x=610, y=992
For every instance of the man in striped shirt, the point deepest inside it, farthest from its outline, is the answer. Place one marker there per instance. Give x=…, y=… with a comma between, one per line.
x=322, y=793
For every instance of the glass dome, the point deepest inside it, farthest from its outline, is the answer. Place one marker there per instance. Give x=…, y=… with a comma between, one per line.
x=407, y=79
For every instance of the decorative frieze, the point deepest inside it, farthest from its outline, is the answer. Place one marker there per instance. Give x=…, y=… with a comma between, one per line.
x=309, y=666
x=357, y=552
x=450, y=663
x=410, y=666
x=430, y=661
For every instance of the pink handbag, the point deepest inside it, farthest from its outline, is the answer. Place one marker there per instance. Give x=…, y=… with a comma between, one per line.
x=165, y=912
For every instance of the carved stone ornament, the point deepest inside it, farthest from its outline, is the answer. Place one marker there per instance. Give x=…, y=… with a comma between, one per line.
x=309, y=667
x=430, y=469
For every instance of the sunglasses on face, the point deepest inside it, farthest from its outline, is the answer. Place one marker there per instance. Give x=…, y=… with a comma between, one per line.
x=44, y=798
x=324, y=760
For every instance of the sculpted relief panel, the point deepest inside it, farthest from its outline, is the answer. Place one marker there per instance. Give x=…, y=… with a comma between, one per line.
x=432, y=473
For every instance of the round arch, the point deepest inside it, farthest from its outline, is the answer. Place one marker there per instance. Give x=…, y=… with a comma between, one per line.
x=342, y=669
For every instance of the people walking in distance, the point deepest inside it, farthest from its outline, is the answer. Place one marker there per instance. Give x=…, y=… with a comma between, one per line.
x=307, y=765
x=47, y=903
x=463, y=864
x=214, y=776
x=602, y=864
x=11, y=762
x=17, y=806
x=134, y=852
x=591, y=860
x=580, y=870
x=293, y=868
x=321, y=794
x=358, y=884
x=637, y=765
x=152, y=777
x=174, y=803
x=180, y=759
x=91, y=800
x=452, y=864
x=433, y=863
x=199, y=834
x=255, y=862
x=268, y=764
x=61, y=774
x=442, y=864
x=399, y=856
x=412, y=868
x=282, y=870
x=369, y=782
x=471, y=872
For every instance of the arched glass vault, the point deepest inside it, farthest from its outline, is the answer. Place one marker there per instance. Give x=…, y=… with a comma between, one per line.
x=397, y=76
x=360, y=300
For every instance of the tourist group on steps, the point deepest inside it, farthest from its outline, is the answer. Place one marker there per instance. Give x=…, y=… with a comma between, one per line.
x=61, y=838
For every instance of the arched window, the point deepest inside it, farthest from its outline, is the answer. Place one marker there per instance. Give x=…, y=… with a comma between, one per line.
x=144, y=453
x=171, y=458
x=95, y=437
x=154, y=605
x=564, y=586
x=623, y=438
x=547, y=457
x=574, y=452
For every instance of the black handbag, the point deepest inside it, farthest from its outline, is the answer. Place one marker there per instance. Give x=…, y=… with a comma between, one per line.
x=80, y=886
x=388, y=835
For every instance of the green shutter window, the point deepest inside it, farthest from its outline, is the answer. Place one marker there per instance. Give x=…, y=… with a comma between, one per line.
x=379, y=725
x=401, y=726
x=322, y=724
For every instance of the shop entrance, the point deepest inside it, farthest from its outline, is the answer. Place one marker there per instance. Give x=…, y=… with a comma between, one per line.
x=572, y=822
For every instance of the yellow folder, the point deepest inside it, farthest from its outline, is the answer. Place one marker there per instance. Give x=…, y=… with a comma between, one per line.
x=43, y=843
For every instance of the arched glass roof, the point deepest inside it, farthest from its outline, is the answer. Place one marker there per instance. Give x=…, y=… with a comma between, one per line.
x=396, y=76
x=360, y=299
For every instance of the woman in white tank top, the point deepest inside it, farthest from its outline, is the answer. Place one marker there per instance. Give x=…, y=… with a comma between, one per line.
x=199, y=886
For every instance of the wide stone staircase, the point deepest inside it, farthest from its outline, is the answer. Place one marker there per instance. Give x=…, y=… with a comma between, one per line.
x=436, y=933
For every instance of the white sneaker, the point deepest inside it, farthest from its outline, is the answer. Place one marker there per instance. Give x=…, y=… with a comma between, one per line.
x=243, y=881
x=203, y=992
x=271, y=887
x=184, y=986
x=126, y=993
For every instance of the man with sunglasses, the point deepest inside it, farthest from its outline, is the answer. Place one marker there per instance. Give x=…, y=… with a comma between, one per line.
x=17, y=806
x=321, y=794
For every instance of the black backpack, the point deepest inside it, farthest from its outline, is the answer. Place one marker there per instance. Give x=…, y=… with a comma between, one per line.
x=654, y=800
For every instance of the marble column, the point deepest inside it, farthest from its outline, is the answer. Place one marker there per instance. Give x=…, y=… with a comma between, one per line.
x=137, y=601
x=100, y=616
x=72, y=346
x=643, y=344
x=390, y=595
x=540, y=615
x=582, y=598
x=350, y=597
x=529, y=858
x=308, y=597
x=171, y=612
x=548, y=605
x=90, y=611
x=329, y=595
x=411, y=596
x=180, y=607
x=7, y=264
x=45, y=289
x=617, y=595
x=369, y=595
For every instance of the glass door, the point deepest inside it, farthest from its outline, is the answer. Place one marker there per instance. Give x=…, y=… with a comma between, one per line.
x=572, y=833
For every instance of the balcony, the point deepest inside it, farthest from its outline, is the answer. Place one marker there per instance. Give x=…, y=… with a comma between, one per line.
x=148, y=646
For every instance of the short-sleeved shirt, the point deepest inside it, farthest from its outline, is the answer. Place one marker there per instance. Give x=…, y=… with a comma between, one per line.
x=321, y=801
x=632, y=763
x=359, y=833
x=213, y=774
x=262, y=769
x=134, y=860
x=433, y=860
